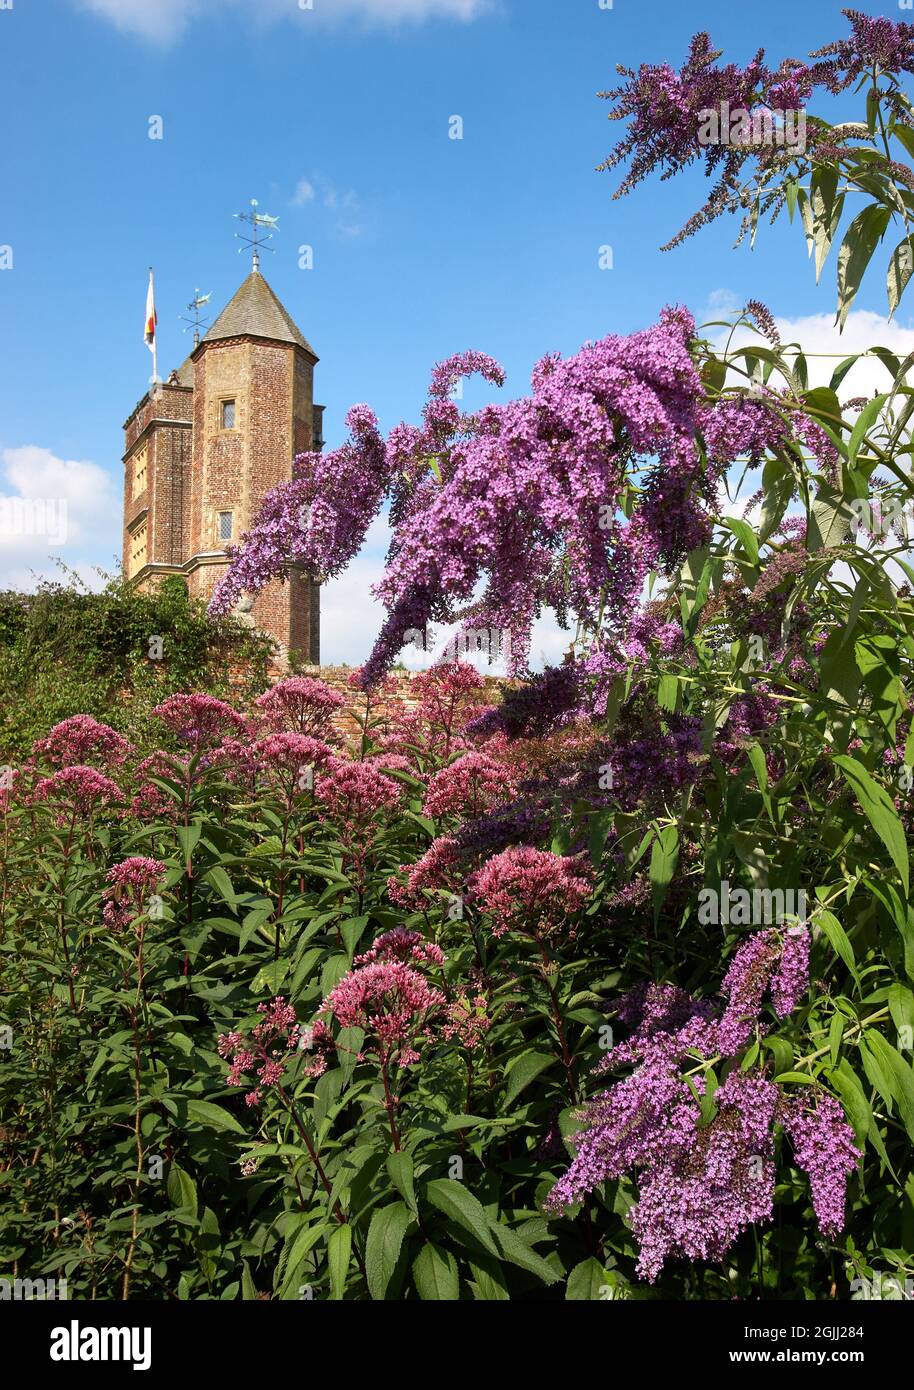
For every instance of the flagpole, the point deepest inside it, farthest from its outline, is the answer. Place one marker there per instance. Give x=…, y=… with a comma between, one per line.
x=155, y=334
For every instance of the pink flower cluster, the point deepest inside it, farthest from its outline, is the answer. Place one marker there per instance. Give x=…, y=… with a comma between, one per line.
x=130, y=884
x=351, y=794
x=472, y=784
x=530, y=890
x=84, y=741
x=301, y=705
x=444, y=701
x=440, y=870
x=200, y=720
x=270, y=1047
x=77, y=792
x=467, y=1021
x=403, y=945
x=287, y=762
x=392, y=1002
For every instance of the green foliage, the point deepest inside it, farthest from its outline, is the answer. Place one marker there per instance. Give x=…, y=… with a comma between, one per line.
x=67, y=650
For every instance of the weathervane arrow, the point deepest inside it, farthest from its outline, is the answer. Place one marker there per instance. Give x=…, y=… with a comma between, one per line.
x=257, y=221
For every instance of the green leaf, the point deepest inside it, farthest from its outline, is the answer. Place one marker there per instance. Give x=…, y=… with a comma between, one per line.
x=435, y=1274
x=222, y=883
x=778, y=484
x=842, y=370
x=745, y=535
x=182, y=1190
x=526, y=1069
x=352, y=931
x=901, y=914
x=400, y=1171
x=862, y=426
x=382, y=1249
x=879, y=810
x=899, y=1074
x=856, y=252
x=303, y=971
x=461, y=1207
x=298, y=1246
x=900, y=269
x=249, y=1290
x=839, y=673
x=585, y=1282
x=489, y=1285
x=822, y=400
x=516, y=1251
x=830, y=520
x=859, y=1110
x=188, y=835
x=600, y=826
x=901, y=1007
x=664, y=858
x=757, y=762
x=668, y=691
x=213, y=1116
x=838, y=940
x=349, y=1044
x=826, y=209
x=339, y=1251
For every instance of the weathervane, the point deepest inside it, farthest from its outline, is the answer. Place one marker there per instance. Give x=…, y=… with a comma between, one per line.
x=256, y=221
x=196, y=323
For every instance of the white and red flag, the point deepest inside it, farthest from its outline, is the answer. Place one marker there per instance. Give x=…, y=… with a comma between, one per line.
x=151, y=321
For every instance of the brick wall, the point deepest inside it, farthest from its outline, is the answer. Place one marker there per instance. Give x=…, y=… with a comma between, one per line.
x=159, y=430
x=337, y=677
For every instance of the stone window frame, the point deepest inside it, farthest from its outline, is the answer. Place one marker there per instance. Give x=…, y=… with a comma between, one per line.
x=139, y=545
x=220, y=416
x=222, y=512
x=140, y=465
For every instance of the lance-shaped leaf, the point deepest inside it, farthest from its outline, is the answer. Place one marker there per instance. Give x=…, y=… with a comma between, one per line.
x=901, y=267
x=856, y=252
x=664, y=858
x=382, y=1249
x=879, y=810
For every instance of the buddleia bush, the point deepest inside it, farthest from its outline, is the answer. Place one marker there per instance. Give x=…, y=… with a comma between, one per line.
x=599, y=990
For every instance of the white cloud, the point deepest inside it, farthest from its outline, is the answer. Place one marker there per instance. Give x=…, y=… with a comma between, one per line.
x=159, y=22
x=164, y=21
x=826, y=348
x=304, y=193
x=53, y=509
x=345, y=206
x=350, y=617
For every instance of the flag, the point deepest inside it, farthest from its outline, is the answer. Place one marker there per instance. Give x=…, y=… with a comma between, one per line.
x=151, y=319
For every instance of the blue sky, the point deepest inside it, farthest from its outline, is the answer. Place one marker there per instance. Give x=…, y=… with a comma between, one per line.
x=337, y=120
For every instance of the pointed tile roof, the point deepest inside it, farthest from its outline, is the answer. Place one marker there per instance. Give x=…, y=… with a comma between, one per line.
x=255, y=312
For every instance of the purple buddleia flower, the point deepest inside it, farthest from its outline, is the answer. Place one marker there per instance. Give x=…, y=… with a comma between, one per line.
x=318, y=521
x=823, y=1145
x=705, y=1172
x=513, y=508
x=703, y=1192
x=790, y=980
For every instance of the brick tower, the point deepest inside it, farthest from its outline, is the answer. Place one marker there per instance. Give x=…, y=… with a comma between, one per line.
x=202, y=449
